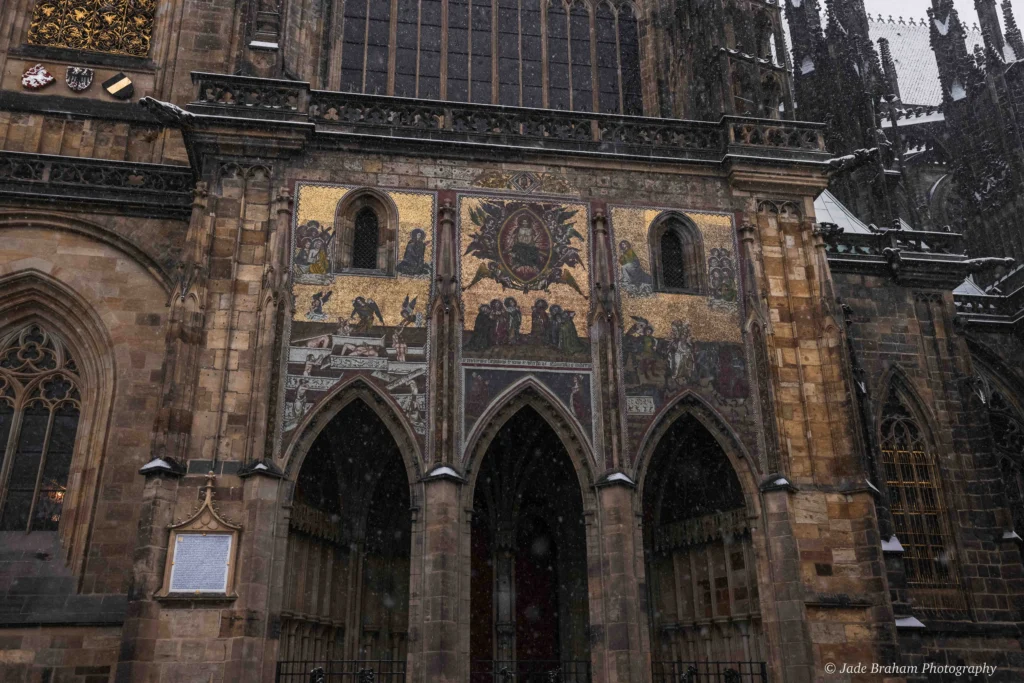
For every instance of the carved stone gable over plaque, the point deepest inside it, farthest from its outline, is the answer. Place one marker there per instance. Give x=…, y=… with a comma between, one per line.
x=201, y=554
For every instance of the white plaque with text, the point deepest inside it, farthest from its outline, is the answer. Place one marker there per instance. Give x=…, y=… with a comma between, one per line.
x=201, y=563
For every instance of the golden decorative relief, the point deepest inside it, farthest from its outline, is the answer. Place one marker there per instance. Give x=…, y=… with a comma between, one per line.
x=415, y=211
x=111, y=26
x=525, y=280
x=709, y=319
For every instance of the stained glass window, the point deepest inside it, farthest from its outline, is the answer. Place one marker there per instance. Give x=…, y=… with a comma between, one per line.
x=558, y=56
x=579, y=55
x=112, y=26
x=40, y=403
x=629, y=58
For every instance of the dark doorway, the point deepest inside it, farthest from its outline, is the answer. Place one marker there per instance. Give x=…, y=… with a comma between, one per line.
x=528, y=605
x=702, y=580
x=346, y=601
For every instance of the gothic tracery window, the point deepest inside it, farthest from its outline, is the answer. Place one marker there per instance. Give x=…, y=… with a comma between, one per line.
x=678, y=256
x=40, y=403
x=918, y=510
x=112, y=26
x=1008, y=438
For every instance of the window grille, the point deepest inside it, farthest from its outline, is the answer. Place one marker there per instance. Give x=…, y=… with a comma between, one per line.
x=673, y=272
x=40, y=403
x=366, y=239
x=112, y=26
x=919, y=514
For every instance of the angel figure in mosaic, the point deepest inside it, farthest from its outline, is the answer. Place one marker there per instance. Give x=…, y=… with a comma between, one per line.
x=364, y=311
x=316, y=306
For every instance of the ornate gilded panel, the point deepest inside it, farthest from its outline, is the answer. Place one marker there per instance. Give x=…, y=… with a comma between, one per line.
x=350, y=323
x=674, y=341
x=525, y=275
x=113, y=26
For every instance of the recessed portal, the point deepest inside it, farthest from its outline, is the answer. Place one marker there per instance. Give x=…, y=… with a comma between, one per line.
x=346, y=601
x=528, y=605
x=704, y=609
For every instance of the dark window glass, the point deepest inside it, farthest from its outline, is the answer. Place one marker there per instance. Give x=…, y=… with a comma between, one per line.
x=53, y=486
x=607, y=60
x=366, y=239
x=407, y=29
x=582, y=90
x=430, y=49
x=377, y=38
x=353, y=45
x=6, y=420
x=458, y=50
x=558, y=57
x=508, y=52
x=629, y=61
x=673, y=273
x=481, y=55
x=533, y=83
x=21, y=482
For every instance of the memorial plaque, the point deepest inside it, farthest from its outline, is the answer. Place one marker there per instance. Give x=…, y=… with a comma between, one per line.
x=201, y=563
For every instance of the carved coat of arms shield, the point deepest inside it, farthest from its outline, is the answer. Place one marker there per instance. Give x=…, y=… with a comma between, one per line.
x=79, y=78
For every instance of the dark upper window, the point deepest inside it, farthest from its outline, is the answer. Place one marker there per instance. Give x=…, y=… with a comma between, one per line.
x=919, y=514
x=40, y=404
x=494, y=52
x=679, y=257
x=365, y=239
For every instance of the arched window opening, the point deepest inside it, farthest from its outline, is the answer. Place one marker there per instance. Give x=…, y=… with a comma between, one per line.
x=40, y=404
x=679, y=258
x=920, y=516
x=366, y=239
x=771, y=97
x=702, y=576
x=115, y=26
x=529, y=609
x=346, y=591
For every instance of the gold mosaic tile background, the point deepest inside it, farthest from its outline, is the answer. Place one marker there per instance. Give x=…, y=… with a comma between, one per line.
x=561, y=294
x=720, y=323
x=415, y=210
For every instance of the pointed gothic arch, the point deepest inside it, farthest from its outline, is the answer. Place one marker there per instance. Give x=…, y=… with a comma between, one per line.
x=353, y=537
x=919, y=497
x=32, y=298
x=531, y=494
x=677, y=254
x=700, y=510
x=365, y=233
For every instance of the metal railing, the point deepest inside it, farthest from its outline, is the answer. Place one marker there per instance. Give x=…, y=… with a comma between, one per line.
x=529, y=671
x=372, y=671
x=709, y=672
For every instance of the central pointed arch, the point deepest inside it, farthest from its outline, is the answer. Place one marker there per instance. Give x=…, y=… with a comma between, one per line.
x=530, y=490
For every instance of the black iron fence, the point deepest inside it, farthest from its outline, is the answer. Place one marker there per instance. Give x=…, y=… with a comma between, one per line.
x=373, y=671
x=710, y=672
x=529, y=671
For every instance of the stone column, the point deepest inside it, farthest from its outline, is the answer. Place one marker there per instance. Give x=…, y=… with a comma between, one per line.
x=618, y=654
x=142, y=621
x=436, y=637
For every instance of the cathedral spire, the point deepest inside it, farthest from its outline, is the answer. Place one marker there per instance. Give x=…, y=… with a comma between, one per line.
x=1013, y=34
x=949, y=42
x=889, y=68
x=988, y=18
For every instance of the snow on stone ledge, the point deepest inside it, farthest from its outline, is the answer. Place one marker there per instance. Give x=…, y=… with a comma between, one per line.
x=909, y=622
x=892, y=545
